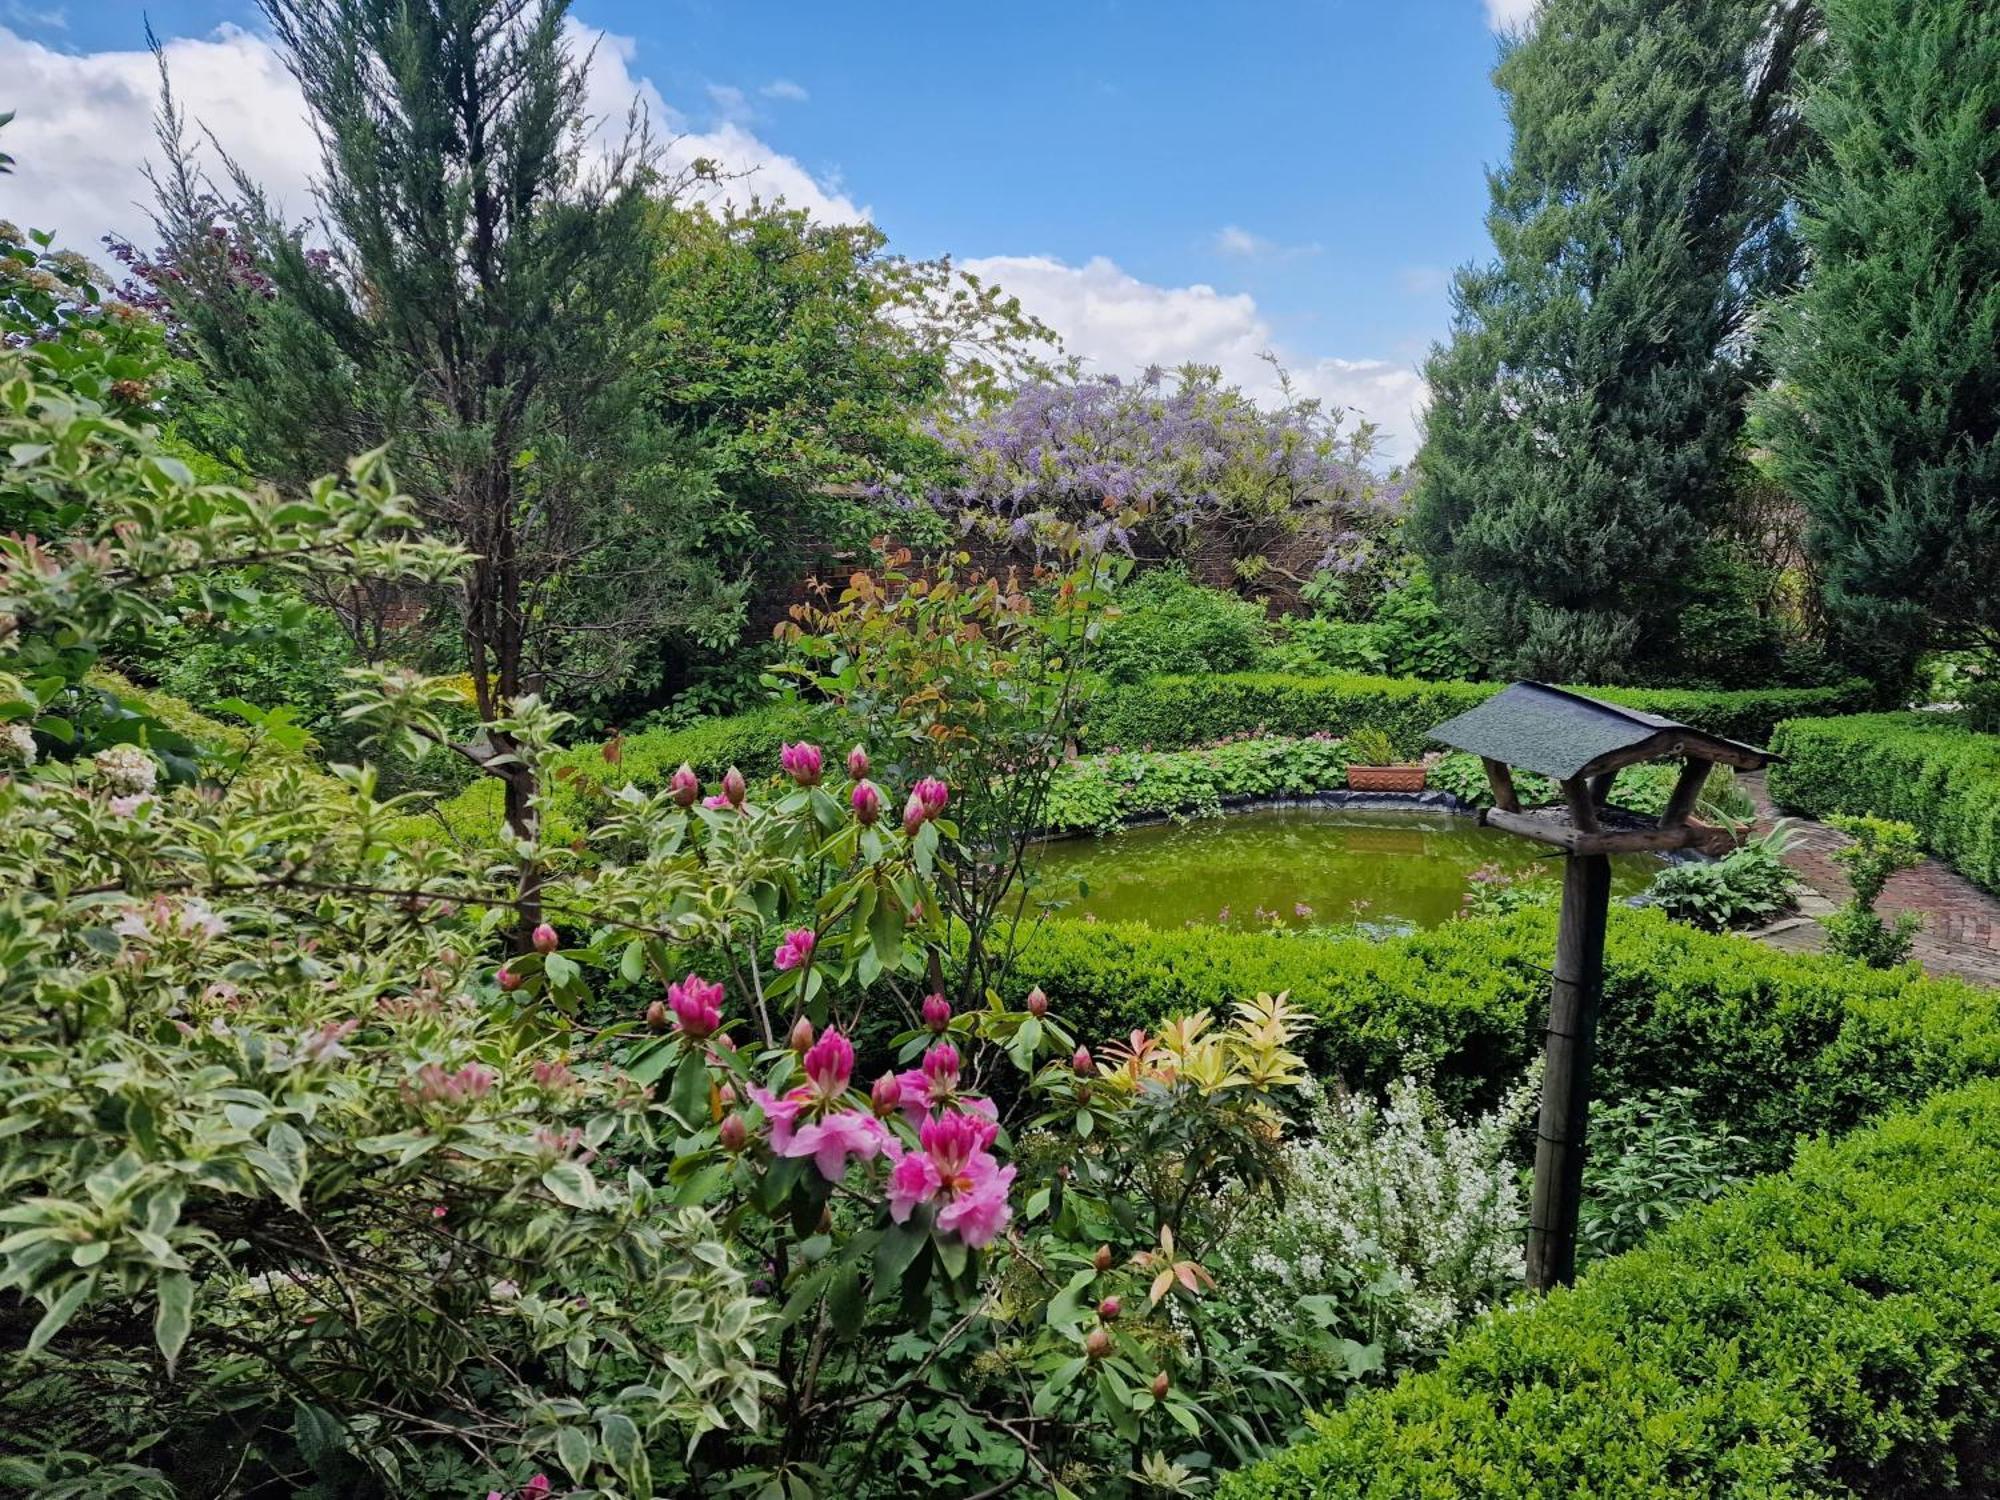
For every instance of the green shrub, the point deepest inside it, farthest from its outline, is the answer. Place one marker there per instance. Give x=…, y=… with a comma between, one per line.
x=1924, y=769
x=1369, y=746
x=1827, y=1332
x=1097, y=793
x=1168, y=623
x=1745, y=888
x=1877, y=849
x=1172, y=712
x=1774, y=1044
x=582, y=777
x=1651, y=1159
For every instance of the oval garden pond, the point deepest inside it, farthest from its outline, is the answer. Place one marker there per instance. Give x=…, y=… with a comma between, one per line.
x=1298, y=867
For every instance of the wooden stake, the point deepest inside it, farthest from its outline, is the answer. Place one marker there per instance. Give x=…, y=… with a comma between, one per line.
x=1569, y=1051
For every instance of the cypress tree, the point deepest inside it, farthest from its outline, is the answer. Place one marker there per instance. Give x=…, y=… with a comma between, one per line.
x=1885, y=421
x=1586, y=412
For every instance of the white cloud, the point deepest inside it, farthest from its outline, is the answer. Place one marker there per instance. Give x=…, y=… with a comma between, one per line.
x=83, y=131
x=1236, y=241
x=785, y=89
x=1423, y=281
x=1120, y=325
x=84, y=126
x=730, y=102
x=1505, y=15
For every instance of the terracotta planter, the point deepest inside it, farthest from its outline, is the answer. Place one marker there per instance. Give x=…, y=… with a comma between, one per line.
x=1408, y=778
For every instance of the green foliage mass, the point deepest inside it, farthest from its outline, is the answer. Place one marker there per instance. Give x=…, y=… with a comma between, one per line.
x=1170, y=712
x=1168, y=623
x=1885, y=421
x=1583, y=436
x=1820, y=1333
x=1747, y=887
x=1774, y=1044
x=1925, y=769
x=1651, y=1159
x=1096, y=793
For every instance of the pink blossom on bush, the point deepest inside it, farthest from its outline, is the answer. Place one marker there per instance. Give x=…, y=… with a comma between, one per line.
x=696, y=1004
x=867, y=802
x=733, y=788
x=955, y=1170
x=802, y=762
x=934, y=794
x=857, y=763
x=795, y=948
x=781, y=1114
x=716, y=803
x=937, y=1012
x=887, y=1095
x=545, y=938
x=915, y=815
x=829, y=1064
x=831, y=1141
x=685, y=785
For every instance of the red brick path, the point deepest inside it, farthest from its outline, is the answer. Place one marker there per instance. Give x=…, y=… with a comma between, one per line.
x=1961, y=932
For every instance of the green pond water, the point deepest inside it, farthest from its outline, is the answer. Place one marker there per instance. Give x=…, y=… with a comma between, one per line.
x=1311, y=867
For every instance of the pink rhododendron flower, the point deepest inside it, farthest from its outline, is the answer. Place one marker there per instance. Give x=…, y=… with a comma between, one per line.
x=545, y=939
x=831, y=1141
x=715, y=803
x=955, y=1171
x=915, y=815
x=733, y=788
x=696, y=1004
x=936, y=1012
x=857, y=763
x=802, y=762
x=932, y=1085
x=867, y=802
x=686, y=786
x=795, y=949
x=829, y=1063
x=781, y=1114
x=887, y=1095
x=934, y=794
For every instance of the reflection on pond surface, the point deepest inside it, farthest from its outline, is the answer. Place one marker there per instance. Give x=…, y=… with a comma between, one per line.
x=1303, y=867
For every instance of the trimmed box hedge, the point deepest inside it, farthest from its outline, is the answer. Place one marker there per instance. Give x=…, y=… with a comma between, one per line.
x=1927, y=769
x=1167, y=713
x=1775, y=1044
x=1832, y=1331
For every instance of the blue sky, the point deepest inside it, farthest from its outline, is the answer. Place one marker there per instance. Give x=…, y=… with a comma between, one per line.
x=1318, y=166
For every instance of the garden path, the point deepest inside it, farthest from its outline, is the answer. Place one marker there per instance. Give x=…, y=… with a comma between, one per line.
x=1961, y=931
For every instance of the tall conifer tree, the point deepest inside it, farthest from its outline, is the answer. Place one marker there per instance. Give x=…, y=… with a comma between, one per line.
x=1885, y=420
x=1586, y=413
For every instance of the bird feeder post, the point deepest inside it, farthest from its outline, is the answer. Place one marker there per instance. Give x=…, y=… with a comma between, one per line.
x=1569, y=1049
x=1582, y=744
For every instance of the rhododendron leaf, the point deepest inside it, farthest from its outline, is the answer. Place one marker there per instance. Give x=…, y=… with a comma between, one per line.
x=1162, y=1284
x=885, y=931
x=952, y=1255
x=632, y=962
x=899, y=1246
x=650, y=1061
x=1066, y=1308
x=562, y=972
x=1060, y=1379
x=846, y=1300
x=688, y=1098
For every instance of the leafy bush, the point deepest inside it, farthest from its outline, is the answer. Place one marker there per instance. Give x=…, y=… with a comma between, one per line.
x=1168, y=623
x=1774, y=1044
x=1747, y=887
x=1651, y=1159
x=1096, y=793
x=1369, y=746
x=1172, y=712
x=1925, y=769
x=1397, y=1225
x=1824, y=1332
x=1877, y=849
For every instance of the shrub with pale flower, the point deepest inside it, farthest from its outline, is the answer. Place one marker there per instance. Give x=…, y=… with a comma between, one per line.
x=17, y=744
x=126, y=769
x=1396, y=1198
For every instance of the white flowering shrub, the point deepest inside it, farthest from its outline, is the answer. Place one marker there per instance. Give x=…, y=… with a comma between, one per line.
x=1397, y=1224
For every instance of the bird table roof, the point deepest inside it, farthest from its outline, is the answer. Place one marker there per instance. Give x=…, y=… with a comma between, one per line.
x=1560, y=734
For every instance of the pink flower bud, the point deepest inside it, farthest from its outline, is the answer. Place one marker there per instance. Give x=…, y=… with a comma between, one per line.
x=686, y=785
x=1102, y=1259
x=829, y=1063
x=733, y=788
x=734, y=1133
x=1081, y=1063
x=934, y=794
x=1161, y=1385
x=802, y=762
x=1097, y=1344
x=545, y=939
x=507, y=979
x=802, y=1035
x=697, y=1006
x=1109, y=1309
x=887, y=1095
x=1038, y=1003
x=867, y=801
x=915, y=815
x=656, y=1017
x=940, y=1064
x=857, y=763
x=937, y=1012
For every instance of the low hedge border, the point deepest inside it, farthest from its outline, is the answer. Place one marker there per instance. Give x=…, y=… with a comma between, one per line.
x=1926, y=769
x=1776, y=1045
x=1167, y=713
x=1832, y=1331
